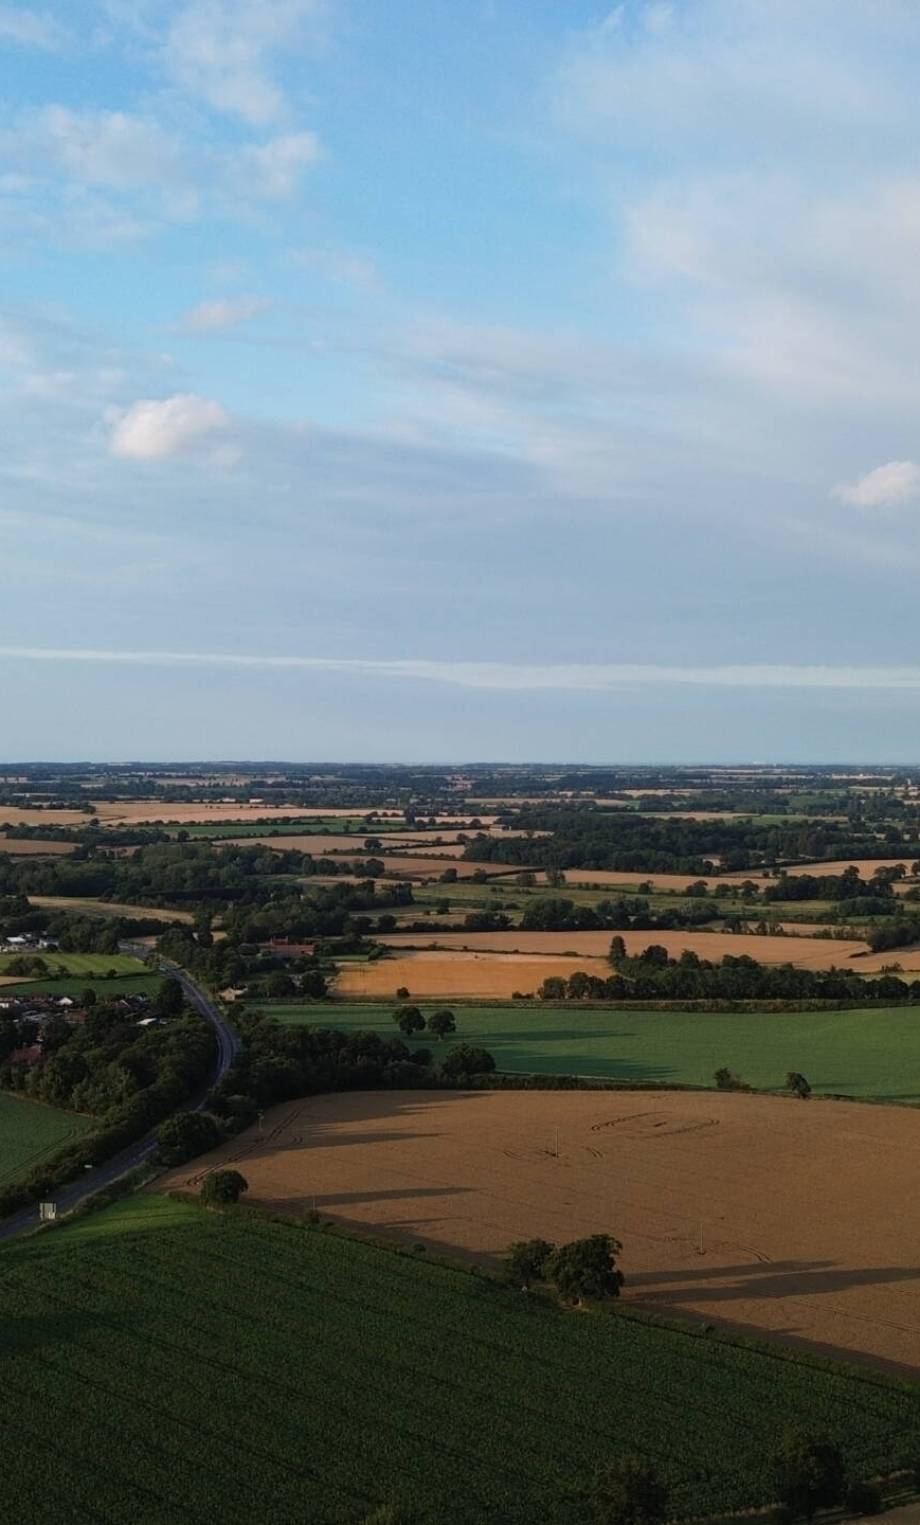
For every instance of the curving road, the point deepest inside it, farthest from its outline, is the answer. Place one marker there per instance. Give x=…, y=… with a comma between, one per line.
x=68, y=1197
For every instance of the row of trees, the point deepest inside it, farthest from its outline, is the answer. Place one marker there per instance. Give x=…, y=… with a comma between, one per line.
x=584, y=837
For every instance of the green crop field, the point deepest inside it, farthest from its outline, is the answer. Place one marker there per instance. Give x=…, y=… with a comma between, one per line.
x=29, y=1131
x=123, y=984
x=854, y=1053
x=164, y=1364
x=77, y=963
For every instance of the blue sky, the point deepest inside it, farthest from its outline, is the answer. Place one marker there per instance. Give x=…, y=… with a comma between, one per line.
x=505, y=380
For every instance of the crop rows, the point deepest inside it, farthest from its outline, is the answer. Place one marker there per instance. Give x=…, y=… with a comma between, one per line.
x=162, y=1364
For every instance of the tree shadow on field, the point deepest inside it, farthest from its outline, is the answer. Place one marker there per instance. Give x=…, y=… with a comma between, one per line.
x=792, y=1278
x=397, y=1194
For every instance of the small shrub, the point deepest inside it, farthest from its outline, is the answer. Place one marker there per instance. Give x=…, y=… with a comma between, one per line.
x=863, y=1498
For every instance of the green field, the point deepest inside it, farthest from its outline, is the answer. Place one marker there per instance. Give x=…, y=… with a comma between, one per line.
x=124, y=984
x=162, y=1365
x=78, y=963
x=29, y=1131
x=854, y=1053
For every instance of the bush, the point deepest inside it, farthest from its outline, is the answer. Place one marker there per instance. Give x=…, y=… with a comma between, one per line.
x=863, y=1498
x=464, y=1060
x=180, y=1138
x=586, y=1268
x=809, y=1473
x=629, y=1492
x=223, y=1186
x=526, y=1261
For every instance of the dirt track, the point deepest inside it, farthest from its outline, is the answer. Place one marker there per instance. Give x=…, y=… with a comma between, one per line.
x=807, y=1226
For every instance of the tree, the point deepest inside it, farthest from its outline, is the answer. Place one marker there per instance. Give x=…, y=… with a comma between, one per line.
x=617, y=951
x=798, y=1085
x=402, y=993
x=181, y=1137
x=409, y=1020
x=464, y=1060
x=223, y=1186
x=629, y=1491
x=441, y=1023
x=727, y=1080
x=586, y=1268
x=527, y=1259
x=168, y=1000
x=88, y=997
x=809, y=1473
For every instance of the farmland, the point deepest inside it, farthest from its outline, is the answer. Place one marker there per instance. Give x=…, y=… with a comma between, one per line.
x=806, y=953
x=30, y=1131
x=468, y=1173
x=79, y=963
x=180, y=1365
x=869, y=1053
x=490, y=975
x=105, y=987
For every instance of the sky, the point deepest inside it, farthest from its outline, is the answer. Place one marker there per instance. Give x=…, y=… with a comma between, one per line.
x=431, y=382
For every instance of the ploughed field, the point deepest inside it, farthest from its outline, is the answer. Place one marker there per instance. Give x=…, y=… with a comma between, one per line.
x=799, y=1207
x=258, y=1371
x=863, y=1053
x=30, y=1131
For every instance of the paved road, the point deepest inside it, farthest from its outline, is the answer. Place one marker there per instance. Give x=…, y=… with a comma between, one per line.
x=68, y=1197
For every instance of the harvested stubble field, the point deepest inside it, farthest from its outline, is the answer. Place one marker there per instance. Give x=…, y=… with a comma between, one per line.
x=496, y=975
x=804, y=952
x=30, y=1131
x=19, y=847
x=800, y=1205
x=855, y=1053
x=269, y=1372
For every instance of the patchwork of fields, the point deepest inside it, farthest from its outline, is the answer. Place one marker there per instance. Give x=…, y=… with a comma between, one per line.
x=172, y=1365
x=865, y=1053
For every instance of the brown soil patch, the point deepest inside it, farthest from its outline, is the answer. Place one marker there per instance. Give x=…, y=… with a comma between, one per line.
x=32, y=847
x=496, y=975
x=802, y=1206
x=805, y=952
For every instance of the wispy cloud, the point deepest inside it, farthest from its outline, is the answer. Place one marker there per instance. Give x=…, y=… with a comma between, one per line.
x=517, y=677
x=30, y=29
x=216, y=317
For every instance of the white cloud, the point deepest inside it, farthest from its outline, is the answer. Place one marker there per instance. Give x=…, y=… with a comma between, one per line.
x=516, y=677
x=98, y=148
x=29, y=29
x=222, y=50
x=886, y=487
x=215, y=317
x=272, y=171
x=153, y=430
